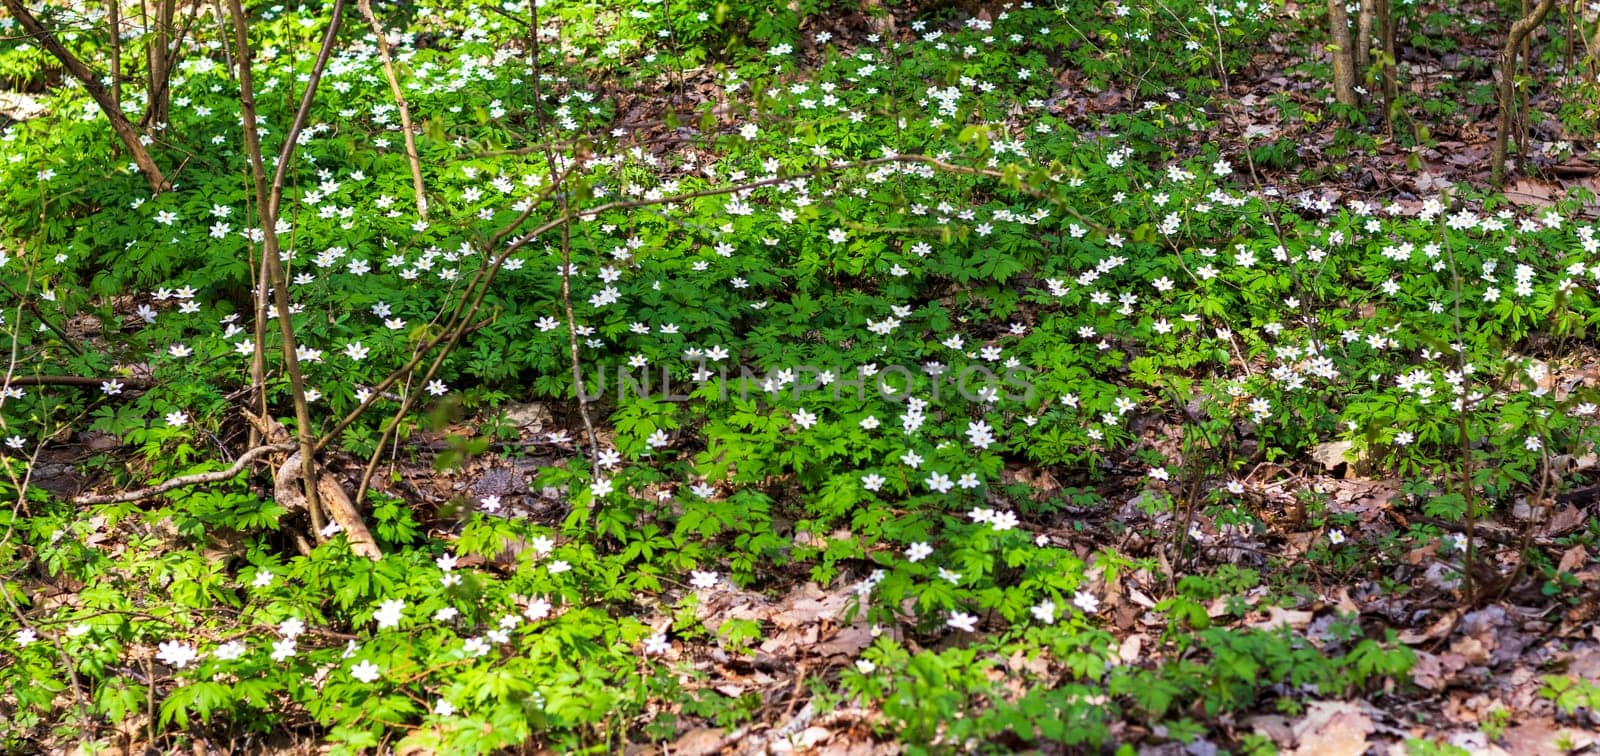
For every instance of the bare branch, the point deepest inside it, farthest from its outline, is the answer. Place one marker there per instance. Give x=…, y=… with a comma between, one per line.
x=401, y=104
x=185, y=481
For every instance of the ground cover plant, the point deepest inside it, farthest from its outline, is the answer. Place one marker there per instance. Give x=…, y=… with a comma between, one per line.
x=480, y=377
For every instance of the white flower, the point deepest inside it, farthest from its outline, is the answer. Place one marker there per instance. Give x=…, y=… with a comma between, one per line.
x=962, y=621
x=657, y=644
x=437, y=388
x=804, y=419
x=263, y=579
x=447, y=562
x=228, y=651
x=865, y=667
x=838, y=236
x=446, y=614
x=283, y=649
x=355, y=351
x=176, y=654
x=291, y=628
x=25, y=636
x=389, y=613
x=111, y=387
x=918, y=551
x=1086, y=601
x=872, y=481
x=1336, y=536
x=979, y=434
x=939, y=482
x=601, y=487
x=707, y=579
x=444, y=708
x=538, y=609
x=1045, y=611
x=177, y=419
x=366, y=671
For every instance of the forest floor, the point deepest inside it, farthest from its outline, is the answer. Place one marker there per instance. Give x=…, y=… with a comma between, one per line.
x=1485, y=645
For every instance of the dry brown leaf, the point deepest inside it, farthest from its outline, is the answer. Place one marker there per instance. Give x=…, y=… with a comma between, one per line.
x=1530, y=193
x=1131, y=648
x=848, y=641
x=1333, y=728
x=1564, y=520
x=1436, y=630
x=1278, y=616
x=1275, y=726
x=1539, y=737
x=701, y=741
x=1427, y=673
x=1346, y=604
x=1471, y=649
x=1572, y=559
x=1331, y=453
x=1422, y=554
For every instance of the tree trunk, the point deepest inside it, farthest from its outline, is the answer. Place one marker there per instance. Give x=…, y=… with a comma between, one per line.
x=1508, y=84
x=115, y=13
x=1344, y=67
x=1391, y=58
x=1388, y=62
x=1363, y=49
x=90, y=82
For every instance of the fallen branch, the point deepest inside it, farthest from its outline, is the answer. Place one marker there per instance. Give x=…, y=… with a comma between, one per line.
x=76, y=380
x=185, y=481
x=334, y=501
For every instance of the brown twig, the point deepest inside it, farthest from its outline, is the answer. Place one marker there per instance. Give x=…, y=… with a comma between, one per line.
x=184, y=481
x=400, y=102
